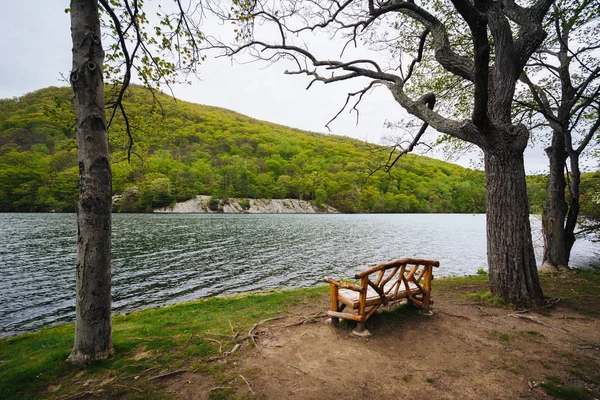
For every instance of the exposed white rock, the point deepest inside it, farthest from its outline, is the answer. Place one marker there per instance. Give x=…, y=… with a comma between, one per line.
x=201, y=204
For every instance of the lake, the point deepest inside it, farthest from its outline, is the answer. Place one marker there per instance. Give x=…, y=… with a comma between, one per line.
x=166, y=258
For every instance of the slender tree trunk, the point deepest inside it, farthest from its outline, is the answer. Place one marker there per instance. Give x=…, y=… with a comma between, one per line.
x=512, y=268
x=573, y=213
x=556, y=255
x=93, y=337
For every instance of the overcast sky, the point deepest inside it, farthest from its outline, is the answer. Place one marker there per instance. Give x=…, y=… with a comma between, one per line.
x=35, y=44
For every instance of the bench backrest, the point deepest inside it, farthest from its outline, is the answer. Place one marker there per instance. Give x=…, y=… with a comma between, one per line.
x=394, y=274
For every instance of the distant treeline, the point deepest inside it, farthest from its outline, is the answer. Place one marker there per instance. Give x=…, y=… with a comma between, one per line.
x=181, y=150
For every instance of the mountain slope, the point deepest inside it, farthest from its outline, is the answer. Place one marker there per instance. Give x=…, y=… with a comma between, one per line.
x=182, y=150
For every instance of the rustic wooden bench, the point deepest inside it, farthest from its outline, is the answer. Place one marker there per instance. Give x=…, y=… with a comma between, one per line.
x=406, y=279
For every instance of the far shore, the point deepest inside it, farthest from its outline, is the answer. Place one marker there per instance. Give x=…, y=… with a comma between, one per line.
x=210, y=205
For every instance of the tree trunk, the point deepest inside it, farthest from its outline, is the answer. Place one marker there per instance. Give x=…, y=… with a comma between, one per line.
x=574, y=206
x=556, y=255
x=93, y=337
x=512, y=268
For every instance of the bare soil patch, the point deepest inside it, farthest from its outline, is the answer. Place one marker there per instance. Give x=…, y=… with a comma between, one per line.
x=465, y=350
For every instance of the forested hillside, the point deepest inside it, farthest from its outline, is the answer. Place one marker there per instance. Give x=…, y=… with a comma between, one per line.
x=181, y=150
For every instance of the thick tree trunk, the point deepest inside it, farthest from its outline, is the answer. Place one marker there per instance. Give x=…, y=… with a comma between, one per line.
x=556, y=255
x=93, y=337
x=512, y=268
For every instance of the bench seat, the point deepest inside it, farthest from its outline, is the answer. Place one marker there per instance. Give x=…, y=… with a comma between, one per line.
x=351, y=298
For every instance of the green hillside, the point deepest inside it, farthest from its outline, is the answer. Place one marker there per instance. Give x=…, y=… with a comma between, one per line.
x=183, y=149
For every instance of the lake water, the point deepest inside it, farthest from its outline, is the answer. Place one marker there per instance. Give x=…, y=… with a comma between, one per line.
x=166, y=258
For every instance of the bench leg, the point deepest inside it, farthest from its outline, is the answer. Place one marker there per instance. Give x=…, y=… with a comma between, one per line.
x=333, y=289
x=427, y=304
x=427, y=289
x=360, y=330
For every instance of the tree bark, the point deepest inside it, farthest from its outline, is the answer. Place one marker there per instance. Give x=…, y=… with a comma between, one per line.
x=93, y=336
x=512, y=267
x=556, y=255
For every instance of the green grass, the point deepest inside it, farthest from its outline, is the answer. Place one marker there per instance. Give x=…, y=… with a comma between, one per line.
x=578, y=289
x=500, y=336
x=475, y=282
x=146, y=344
x=555, y=387
x=485, y=297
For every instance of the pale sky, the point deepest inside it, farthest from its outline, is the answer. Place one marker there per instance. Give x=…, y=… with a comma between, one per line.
x=36, y=49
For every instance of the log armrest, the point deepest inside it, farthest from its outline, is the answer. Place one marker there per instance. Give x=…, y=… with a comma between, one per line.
x=345, y=285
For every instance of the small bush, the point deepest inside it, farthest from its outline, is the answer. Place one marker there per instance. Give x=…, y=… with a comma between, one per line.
x=244, y=203
x=214, y=203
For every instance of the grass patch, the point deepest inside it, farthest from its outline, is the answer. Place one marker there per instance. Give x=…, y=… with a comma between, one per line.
x=578, y=289
x=568, y=392
x=583, y=381
x=485, y=297
x=460, y=286
x=546, y=365
x=147, y=343
x=533, y=336
x=500, y=336
x=474, y=282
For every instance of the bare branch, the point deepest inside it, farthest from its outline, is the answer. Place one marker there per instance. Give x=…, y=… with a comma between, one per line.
x=419, y=54
x=540, y=98
x=429, y=101
x=360, y=95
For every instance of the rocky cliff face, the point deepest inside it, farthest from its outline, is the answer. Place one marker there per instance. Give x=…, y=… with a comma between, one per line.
x=206, y=204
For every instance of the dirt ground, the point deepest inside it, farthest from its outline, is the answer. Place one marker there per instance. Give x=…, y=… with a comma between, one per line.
x=465, y=350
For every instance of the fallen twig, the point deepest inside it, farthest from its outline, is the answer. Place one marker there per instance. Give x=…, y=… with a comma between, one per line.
x=485, y=313
x=250, y=333
x=179, y=371
x=565, y=317
x=131, y=388
x=590, y=348
x=190, y=338
x=78, y=395
x=219, y=388
x=235, y=348
x=311, y=318
x=298, y=368
x=247, y=383
x=217, y=342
